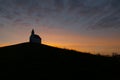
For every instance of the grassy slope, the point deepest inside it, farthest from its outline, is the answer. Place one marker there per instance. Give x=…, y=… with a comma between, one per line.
x=35, y=60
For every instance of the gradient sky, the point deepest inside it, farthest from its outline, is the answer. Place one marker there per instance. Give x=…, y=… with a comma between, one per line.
x=84, y=25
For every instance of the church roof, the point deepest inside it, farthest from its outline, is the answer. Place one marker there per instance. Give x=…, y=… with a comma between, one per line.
x=36, y=36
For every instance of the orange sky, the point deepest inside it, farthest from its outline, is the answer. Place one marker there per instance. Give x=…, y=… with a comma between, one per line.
x=64, y=39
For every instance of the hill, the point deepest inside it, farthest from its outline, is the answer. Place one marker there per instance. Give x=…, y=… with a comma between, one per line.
x=46, y=62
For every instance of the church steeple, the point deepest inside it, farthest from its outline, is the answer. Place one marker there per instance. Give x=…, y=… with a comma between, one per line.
x=32, y=33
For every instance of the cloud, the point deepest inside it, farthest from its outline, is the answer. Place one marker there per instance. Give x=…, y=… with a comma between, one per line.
x=91, y=13
x=111, y=21
x=110, y=17
x=1, y=25
x=97, y=14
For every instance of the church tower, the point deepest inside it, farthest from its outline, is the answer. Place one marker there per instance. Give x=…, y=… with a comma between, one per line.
x=32, y=33
x=34, y=38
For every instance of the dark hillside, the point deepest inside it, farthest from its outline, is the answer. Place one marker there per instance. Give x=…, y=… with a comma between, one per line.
x=46, y=62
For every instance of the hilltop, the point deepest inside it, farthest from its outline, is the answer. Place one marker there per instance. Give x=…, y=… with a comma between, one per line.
x=32, y=60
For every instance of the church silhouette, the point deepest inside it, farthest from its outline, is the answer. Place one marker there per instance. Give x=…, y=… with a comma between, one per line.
x=34, y=38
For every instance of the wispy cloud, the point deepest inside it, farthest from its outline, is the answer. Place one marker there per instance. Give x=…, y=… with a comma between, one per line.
x=91, y=13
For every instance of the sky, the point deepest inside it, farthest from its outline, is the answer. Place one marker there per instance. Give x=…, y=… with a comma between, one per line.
x=83, y=25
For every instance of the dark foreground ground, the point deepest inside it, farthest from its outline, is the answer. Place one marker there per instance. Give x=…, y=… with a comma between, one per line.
x=35, y=61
